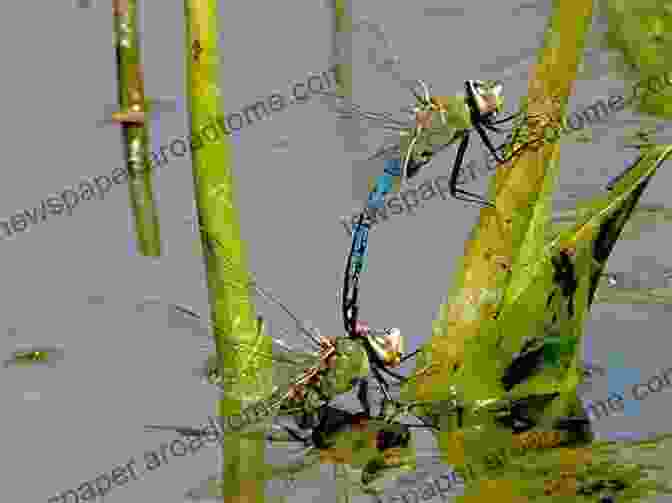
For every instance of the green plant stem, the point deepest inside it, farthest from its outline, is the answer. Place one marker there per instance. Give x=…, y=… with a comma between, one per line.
x=231, y=310
x=136, y=136
x=343, y=31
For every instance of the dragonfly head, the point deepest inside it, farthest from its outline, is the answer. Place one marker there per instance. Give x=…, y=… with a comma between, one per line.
x=388, y=345
x=485, y=96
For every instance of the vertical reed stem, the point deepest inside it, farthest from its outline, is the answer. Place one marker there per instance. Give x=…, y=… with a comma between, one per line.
x=135, y=132
x=231, y=310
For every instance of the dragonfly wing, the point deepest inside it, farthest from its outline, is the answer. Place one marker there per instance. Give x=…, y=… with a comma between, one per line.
x=347, y=110
x=281, y=351
x=387, y=152
x=264, y=299
x=290, y=370
x=251, y=286
x=185, y=431
x=288, y=366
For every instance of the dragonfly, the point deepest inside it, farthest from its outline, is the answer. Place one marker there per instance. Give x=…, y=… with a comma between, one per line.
x=441, y=121
x=136, y=114
x=329, y=366
x=481, y=105
x=37, y=355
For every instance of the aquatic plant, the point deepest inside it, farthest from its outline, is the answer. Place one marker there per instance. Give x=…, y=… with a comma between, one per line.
x=517, y=292
x=133, y=118
x=244, y=377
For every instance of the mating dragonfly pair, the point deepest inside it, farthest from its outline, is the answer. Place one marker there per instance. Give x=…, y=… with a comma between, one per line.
x=329, y=368
x=352, y=358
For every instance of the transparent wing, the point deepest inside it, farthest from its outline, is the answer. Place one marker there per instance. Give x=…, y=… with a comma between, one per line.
x=292, y=354
x=387, y=152
x=250, y=285
x=292, y=360
x=345, y=109
x=186, y=431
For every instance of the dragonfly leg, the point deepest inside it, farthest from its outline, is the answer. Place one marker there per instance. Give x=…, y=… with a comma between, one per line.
x=332, y=420
x=363, y=395
x=487, y=142
x=307, y=420
x=494, y=129
x=296, y=436
x=454, y=190
x=505, y=119
x=382, y=383
x=282, y=433
x=573, y=424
